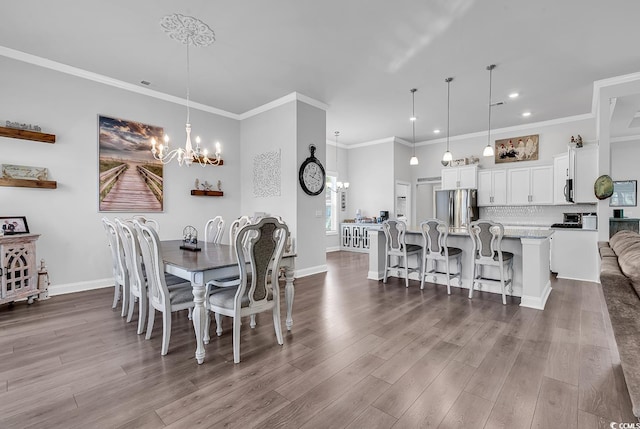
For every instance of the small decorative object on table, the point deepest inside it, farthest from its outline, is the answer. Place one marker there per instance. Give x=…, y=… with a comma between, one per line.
x=190, y=239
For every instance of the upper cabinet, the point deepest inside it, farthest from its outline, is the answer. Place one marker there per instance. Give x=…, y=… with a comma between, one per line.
x=492, y=188
x=560, y=177
x=583, y=169
x=460, y=177
x=532, y=185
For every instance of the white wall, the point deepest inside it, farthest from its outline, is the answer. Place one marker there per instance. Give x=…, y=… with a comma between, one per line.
x=73, y=242
x=372, y=179
x=624, y=166
x=341, y=169
x=310, y=245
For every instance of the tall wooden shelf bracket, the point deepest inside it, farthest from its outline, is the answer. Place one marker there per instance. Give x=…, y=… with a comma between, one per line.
x=24, y=183
x=16, y=133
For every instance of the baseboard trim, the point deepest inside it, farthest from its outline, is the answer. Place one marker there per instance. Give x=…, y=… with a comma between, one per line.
x=63, y=289
x=311, y=271
x=375, y=275
x=535, y=302
x=333, y=249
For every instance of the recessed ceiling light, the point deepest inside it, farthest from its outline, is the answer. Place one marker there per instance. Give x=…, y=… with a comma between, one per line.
x=436, y=131
x=514, y=95
x=413, y=118
x=525, y=114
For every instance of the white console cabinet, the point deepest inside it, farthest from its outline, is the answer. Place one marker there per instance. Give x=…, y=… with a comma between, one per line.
x=354, y=237
x=18, y=270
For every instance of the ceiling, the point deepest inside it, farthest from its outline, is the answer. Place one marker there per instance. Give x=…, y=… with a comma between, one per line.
x=360, y=57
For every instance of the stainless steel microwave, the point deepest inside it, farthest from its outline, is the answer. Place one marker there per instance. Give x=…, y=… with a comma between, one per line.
x=572, y=218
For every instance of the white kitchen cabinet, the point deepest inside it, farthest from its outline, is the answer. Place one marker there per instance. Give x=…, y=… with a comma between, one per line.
x=492, y=188
x=460, y=177
x=574, y=254
x=530, y=185
x=583, y=169
x=560, y=177
x=18, y=271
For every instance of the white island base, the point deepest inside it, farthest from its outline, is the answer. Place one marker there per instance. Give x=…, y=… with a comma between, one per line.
x=531, y=274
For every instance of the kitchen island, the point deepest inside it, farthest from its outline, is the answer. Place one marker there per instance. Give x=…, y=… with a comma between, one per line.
x=530, y=248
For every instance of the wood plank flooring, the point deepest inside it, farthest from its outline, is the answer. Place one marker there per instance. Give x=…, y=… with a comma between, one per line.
x=361, y=354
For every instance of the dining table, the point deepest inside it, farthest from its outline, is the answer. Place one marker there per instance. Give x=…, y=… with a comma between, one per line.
x=214, y=260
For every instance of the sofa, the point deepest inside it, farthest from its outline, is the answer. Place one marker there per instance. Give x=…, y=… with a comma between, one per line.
x=620, y=279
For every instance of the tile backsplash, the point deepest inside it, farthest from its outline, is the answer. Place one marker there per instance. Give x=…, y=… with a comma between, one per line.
x=532, y=215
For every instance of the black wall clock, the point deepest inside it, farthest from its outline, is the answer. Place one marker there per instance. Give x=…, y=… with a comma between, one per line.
x=312, y=176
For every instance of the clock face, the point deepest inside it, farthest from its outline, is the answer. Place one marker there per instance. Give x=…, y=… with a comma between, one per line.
x=312, y=177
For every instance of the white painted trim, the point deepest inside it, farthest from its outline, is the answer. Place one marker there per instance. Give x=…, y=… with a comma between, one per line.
x=595, y=280
x=598, y=85
x=340, y=145
x=62, y=289
x=294, y=96
x=375, y=275
x=311, y=270
x=624, y=139
x=333, y=249
x=84, y=74
x=535, y=302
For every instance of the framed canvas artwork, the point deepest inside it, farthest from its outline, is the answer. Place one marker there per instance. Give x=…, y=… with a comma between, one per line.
x=524, y=148
x=130, y=179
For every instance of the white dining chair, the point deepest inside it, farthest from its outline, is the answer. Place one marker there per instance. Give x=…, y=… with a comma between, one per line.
x=487, y=236
x=396, y=247
x=214, y=229
x=161, y=298
x=147, y=221
x=435, y=235
x=258, y=290
x=120, y=273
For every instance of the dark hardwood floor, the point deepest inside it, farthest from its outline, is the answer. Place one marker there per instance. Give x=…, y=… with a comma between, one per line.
x=361, y=354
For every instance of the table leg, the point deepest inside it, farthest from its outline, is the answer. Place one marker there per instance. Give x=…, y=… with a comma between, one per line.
x=199, y=320
x=289, y=292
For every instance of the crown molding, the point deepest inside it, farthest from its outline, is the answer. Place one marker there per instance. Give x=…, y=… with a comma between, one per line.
x=373, y=142
x=625, y=139
x=294, y=96
x=95, y=77
x=598, y=85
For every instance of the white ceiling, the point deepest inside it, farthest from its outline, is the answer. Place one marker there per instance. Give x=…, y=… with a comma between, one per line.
x=360, y=57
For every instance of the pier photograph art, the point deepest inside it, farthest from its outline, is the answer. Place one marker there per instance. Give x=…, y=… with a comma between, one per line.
x=130, y=178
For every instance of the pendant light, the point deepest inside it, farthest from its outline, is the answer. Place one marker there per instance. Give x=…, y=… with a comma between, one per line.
x=414, y=158
x=339, y=185
x=488, y=151
x=448, y=156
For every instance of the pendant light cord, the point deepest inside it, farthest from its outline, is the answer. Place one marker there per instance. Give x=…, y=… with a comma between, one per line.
x=413, y=115
x=449, y=79
x=490, y=68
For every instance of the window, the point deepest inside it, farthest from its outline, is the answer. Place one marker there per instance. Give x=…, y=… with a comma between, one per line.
x=331, y=198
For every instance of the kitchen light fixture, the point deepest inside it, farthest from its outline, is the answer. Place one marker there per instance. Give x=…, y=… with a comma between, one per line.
x=448, y=157
x=414, y=158
x=488, y=151
x=514, y=95
x=436, y=131
x=189, y=31
x=339, y=185
x=526, y=114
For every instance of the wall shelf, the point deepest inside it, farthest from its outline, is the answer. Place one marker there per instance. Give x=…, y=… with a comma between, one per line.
x=207, y=193
x=16, y=133
x=23, y=183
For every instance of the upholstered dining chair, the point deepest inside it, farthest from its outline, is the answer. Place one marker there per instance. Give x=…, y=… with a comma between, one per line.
x=120, y=273
x=394, y=231
x=434, y=235
x=258, y=290
x=214, y=229
x=487, y=252
x=161, y=298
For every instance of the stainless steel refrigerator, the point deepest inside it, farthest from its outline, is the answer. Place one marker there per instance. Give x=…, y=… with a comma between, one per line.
x=457, y=207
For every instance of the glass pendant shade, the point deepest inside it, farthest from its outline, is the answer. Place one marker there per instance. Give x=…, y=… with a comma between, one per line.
x=447, y=157
x=488, y=151
x=413, y=160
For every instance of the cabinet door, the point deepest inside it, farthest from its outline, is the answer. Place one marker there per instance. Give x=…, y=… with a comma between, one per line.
x=541, y=185
x=467, y=177
x=518, y=189
x=560, y=176
x=485, y=188
x=499, y=187
x=586, y=173
x=449, y=178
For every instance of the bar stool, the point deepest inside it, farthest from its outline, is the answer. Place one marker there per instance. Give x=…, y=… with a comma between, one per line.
x=394, y=231
x=434, y=235
x=487, y=251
